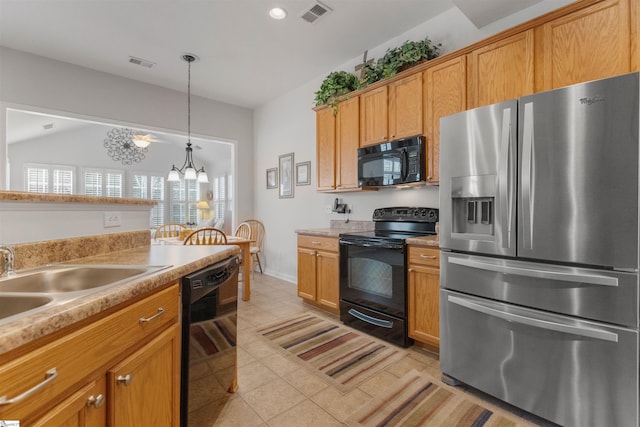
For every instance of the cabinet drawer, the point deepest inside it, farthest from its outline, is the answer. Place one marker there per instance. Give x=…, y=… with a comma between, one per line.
x=315, y=242
x=424, y=256
x=82, y=352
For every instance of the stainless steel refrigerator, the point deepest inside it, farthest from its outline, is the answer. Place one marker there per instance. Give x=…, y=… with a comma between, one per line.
x=539, y=237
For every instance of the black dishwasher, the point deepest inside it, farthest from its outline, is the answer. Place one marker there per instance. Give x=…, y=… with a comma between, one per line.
x=209, y=325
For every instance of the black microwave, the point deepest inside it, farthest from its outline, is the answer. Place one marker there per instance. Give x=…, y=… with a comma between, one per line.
x=392, y=163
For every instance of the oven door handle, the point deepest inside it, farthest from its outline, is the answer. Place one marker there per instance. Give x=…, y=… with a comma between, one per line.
x=371, y=245
x=404, y=166
x=369, y=319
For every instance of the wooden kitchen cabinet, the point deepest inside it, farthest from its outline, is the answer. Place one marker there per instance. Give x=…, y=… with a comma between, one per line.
x=347, y=143
x=374, y=110
x=423, y=295
x=144, y=387
x=445, y=92
x=405, y=107
x=319, y=271
x=589, y=44
x=326, y=149
x=502, y=70
x=83, y=356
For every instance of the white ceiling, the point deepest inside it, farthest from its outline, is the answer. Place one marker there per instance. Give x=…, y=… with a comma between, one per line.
x=246, y=58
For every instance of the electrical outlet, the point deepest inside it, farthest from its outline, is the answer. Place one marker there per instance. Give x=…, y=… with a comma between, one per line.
x=327, y=209
x=112, y=219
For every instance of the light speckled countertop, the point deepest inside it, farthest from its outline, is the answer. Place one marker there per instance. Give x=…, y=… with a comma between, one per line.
x=183, y=260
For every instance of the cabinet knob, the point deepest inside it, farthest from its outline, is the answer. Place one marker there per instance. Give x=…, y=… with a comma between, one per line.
x=393, y=136
x=383, y=138
x=126, y=379
x=410, y=270
x=95, y=401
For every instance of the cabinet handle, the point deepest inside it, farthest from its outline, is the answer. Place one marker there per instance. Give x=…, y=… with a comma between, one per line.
x=94, y=401
x=428, y=256
x=410, y=270
x=316, y=243
x=49, y=376
x=126, y=379
x=149, y=319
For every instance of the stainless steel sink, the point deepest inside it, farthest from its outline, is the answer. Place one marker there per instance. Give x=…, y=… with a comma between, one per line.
x=15, y=304
x=71, y=278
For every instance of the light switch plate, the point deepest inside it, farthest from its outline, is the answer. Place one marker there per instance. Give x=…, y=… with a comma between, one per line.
x=112, y=219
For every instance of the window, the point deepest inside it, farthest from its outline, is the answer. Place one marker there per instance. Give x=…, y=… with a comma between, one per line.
x=184, y=201
x=103, y=182
x=150, y=187
x=42, y=178
x=221, y=195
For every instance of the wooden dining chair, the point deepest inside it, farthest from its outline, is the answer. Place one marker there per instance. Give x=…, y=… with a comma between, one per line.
x=206, y=236
x=170, y=229
x=257, y=235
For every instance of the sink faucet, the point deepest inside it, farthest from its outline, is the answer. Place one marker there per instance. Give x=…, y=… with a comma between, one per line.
x=8, y=257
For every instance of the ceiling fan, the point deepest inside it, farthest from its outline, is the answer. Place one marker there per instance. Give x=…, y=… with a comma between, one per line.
x=143, y=141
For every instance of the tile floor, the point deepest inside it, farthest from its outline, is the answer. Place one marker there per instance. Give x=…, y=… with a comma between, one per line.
x=274, y=391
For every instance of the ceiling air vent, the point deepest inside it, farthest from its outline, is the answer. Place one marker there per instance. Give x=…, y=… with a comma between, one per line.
x=315, y=12
x=141, y=62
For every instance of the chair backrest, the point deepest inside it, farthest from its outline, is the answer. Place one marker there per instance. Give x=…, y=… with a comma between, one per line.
x=206, y=236
x=257, y=232
x=243, y=230
x=169, y=229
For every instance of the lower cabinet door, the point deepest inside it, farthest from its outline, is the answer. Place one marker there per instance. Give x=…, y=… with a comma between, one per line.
x=84, y=408
x=423, y=300
x=144, y=388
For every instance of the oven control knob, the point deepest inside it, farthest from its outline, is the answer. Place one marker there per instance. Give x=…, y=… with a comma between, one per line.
x=432, y=215
x=378, y=213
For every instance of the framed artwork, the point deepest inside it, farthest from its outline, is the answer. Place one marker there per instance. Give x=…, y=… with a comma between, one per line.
x=286, y=175
x=272, y=178
x=303, y=173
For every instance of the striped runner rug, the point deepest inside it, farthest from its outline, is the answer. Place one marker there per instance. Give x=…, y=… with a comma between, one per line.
x=416, y=399
x=335, y=352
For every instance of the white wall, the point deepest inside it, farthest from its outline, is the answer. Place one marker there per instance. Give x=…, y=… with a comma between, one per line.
x=287, y=124
x=36, y=83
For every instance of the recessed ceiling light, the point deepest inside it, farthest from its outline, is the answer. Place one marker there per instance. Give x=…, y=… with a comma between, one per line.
x=278, y=13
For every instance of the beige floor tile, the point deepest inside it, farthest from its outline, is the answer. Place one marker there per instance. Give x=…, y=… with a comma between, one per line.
x=273, y=398
x=305, y=414
x=253, y=375
x=378, y=383
x=305, y=381
x=235, y=413
x=404, y=365
x=244, y=358
x=279, y=364
x=341, y=406
x=260, y=349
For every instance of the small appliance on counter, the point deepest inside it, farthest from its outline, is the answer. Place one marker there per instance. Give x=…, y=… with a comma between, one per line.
x=399, y=162
x=373, y=271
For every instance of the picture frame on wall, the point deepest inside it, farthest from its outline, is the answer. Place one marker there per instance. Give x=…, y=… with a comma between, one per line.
x=285, y=164
x=303, y=173
x=272, y=178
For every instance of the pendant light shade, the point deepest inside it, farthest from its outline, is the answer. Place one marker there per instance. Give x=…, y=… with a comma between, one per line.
x=188, y=169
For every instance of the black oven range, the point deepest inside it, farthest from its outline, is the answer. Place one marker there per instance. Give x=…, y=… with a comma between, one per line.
x=373, y=271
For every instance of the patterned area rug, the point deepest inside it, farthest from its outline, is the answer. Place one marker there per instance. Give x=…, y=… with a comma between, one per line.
x=336, y=353
x=211, y=337
x=419, y=400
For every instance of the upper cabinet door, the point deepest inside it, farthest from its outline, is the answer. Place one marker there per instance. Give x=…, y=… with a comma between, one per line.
x=589, y=44
x=445, y=92
x=502, y=70
x=373, y=116
x=326, y=148
x=405, y=107
x=347, y=143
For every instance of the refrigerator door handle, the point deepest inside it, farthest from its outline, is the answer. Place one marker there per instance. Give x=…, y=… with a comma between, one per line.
x=590, y=279
x=536, y=323
x=528, y=177
x=505, y=179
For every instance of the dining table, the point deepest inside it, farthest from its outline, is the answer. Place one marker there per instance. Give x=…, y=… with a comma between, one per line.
x=244, y=245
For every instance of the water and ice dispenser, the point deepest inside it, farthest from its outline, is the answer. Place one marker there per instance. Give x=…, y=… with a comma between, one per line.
x=473, y=205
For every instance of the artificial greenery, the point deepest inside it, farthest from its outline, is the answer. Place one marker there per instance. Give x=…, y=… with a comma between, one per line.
x=335, y=86
x=400, y=58
x=339, y=83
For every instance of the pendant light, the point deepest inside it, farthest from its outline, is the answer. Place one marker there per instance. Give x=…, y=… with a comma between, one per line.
x=188, y=169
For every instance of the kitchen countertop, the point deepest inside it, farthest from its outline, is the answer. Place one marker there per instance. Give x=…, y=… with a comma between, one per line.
x=433, y=241
x=182, y=260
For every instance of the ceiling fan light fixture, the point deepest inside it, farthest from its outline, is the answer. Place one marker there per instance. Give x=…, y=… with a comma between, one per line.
x=278, y=13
